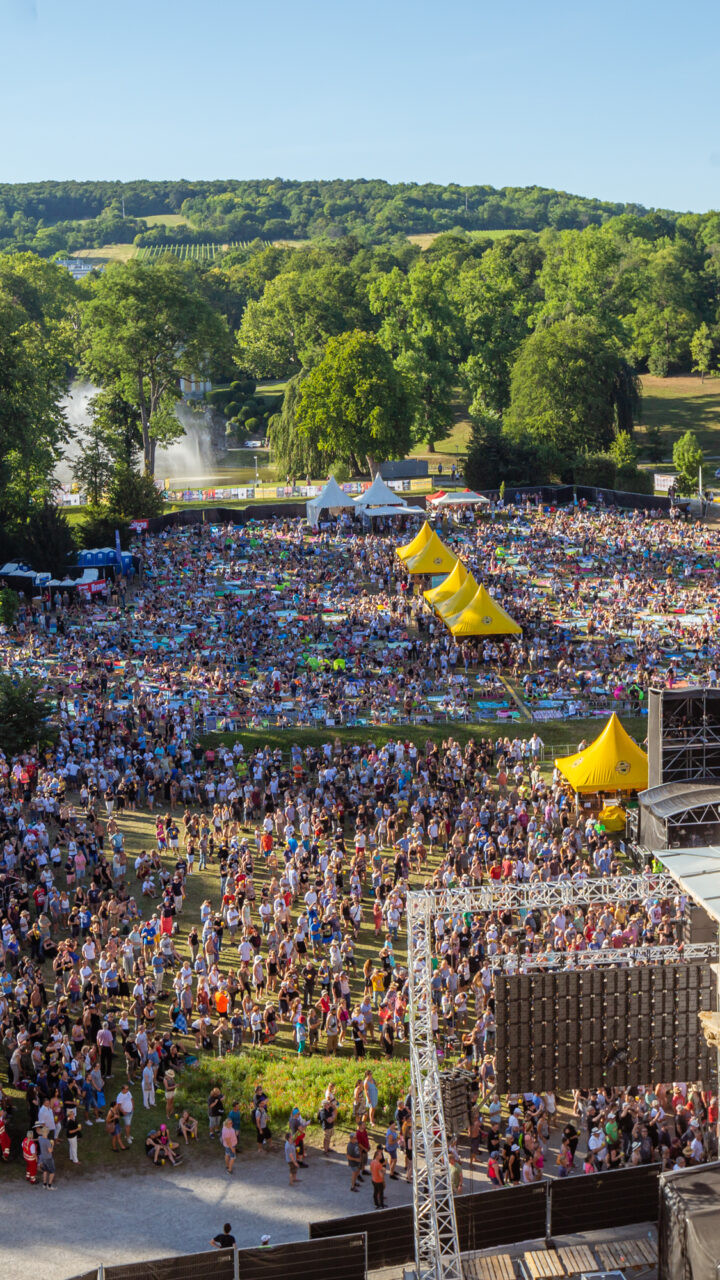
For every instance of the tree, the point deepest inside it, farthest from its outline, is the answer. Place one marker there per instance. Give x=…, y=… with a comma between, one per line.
x=46, y=540
x=654, y=447
x=294, y=452
x=146, y=326
x=24, y=715
x=37, y=343
x=94, y=467
x=702, y=350
x=421, y=328
x=569, y=387
x=286, y=328
x=354, y=403
x=687, y=461
x=9, y=606
x=494, y=457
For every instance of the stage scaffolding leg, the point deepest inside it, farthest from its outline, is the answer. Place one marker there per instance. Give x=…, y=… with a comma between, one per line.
x=437, y=1251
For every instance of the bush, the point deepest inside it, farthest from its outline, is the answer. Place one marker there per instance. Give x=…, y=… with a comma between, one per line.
x=290, y=1080
x=595, y=469
x=341, y=472
x=220, y=397
x=232, y=409
x=251, y=425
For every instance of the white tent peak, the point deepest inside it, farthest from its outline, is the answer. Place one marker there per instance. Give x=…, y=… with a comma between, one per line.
x=332, y=498
x=379, y=495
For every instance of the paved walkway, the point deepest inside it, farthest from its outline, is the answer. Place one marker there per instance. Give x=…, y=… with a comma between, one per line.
x=114, y=1218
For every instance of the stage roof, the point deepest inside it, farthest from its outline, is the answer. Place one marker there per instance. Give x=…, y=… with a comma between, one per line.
x=697, y=872
x=670, y=798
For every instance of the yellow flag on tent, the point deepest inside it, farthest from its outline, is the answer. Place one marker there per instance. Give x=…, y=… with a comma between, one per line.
x=482, y=616
x=455, y=579
x=613, y=762
x=448, y=608
x=434, y=557
x=418, y=542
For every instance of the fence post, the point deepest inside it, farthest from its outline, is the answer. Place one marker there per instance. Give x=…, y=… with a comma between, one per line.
x=236, y=1263
x=548, y=1211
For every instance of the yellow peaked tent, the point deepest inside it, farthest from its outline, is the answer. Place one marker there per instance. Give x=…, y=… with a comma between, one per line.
x=411, y=548
x=482, y=616
x=434, y=557
x=449, y=608
x=455, y=579
x=613, y=762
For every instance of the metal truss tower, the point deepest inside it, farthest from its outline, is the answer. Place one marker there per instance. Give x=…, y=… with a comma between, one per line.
x=437, y=1250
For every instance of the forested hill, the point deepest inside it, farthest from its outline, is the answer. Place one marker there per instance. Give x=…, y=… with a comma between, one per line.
x=49, y=217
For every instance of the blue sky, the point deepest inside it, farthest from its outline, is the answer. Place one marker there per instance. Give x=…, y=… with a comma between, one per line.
x=615, y=100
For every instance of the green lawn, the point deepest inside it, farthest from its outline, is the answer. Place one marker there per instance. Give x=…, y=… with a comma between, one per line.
x=677, y=405
x=164, y=219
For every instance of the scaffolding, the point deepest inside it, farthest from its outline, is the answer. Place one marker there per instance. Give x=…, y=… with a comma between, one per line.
x=549, y=894
x=437, y=1249
x=621, y=956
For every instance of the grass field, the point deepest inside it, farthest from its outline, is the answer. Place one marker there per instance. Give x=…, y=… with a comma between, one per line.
x=676, y=405
x=425, y=238
x=164, y=219
x=108, y=253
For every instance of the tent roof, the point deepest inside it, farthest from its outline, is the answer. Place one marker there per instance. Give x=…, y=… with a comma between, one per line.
x=460, y=498
x=379, y=495
x=418, y=542
x=434, y=557
x=329, y=499
x=482, y=616
x=451, y=606
x=447, y=588
x=399, y=509
x=613, y=762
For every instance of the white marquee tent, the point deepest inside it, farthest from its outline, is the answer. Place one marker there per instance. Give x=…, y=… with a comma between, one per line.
x=380, y=500
x=332, y=500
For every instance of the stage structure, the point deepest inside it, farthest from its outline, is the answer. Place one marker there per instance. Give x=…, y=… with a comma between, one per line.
x=437, y=1250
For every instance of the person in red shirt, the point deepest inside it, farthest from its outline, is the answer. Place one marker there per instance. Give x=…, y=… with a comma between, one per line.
x=362, y=1138
x=30, y=1156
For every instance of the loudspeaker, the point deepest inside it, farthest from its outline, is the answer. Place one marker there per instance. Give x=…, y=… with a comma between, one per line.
x=683, y=735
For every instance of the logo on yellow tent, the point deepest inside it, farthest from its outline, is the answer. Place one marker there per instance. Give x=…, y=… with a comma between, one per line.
x=622, y=766
x=487, y=621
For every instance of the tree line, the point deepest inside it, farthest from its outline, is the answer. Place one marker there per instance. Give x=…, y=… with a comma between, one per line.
x=541, y=337
x=54, y=217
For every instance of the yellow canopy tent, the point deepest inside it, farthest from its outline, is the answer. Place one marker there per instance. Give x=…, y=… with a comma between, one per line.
x=613, y=762
x=411, y=548
x=455, y=604
x=455, y=579
x=434, y=557
x=482, y=616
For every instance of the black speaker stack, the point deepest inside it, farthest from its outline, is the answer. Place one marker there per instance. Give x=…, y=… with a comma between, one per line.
x=581, y=1028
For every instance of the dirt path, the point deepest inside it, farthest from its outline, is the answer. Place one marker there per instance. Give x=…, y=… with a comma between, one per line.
x=113, y=1218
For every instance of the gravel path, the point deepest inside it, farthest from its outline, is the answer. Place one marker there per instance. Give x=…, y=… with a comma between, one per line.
x=159, y=1212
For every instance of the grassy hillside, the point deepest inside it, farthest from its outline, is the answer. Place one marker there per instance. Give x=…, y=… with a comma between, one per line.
x=676, y=405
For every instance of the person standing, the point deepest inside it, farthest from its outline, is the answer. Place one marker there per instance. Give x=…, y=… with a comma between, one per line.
x=224, y=1239
x=354, y=1157
x=30, y=1156
x=126, y=1105
x=148, y=1086
x=105, y=1042
x=371, y=1095
x=228, y=1137
x=377, y=1174
x=291, y=1158
x=46, y=1147
x=73, y=1128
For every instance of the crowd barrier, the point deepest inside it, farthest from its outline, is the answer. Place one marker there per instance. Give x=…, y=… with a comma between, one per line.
x=595, y=1202
x=303, y=1259
x=509, y=1215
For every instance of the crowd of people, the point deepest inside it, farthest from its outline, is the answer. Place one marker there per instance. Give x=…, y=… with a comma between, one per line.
x=307, y=855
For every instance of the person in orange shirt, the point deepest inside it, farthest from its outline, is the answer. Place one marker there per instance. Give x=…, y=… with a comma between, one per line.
x=377, y=1174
